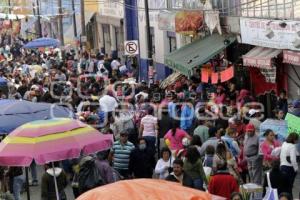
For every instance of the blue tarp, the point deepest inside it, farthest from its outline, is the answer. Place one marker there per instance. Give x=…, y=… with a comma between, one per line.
x=14, y=113
x=42, y=42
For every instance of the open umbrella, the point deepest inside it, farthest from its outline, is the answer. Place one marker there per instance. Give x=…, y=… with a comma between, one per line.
x=14, y=113
x=46, y=141
x=145, y=189
x=42, y=42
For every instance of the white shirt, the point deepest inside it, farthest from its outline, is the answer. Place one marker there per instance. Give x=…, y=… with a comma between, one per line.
x=115, y=64
x=288, y=149
x=108, y=103
x=162, y=166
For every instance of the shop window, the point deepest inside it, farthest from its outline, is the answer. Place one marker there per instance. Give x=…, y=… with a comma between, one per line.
x=172, y=41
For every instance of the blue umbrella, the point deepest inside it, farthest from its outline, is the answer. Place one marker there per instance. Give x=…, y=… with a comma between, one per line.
x=14, y=113
x=42, y=42
x=3, y=82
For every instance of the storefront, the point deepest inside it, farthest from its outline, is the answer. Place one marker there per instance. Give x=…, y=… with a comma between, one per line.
x=267, y=61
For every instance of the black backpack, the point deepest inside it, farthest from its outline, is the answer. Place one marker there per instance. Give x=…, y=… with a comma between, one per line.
x=89, y=176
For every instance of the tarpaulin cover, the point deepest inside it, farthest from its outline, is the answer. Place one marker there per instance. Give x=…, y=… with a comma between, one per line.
x=146, y=189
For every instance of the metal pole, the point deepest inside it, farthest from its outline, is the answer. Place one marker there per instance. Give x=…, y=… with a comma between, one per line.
x=74, y=19
x=39, y=18
x=149, y=40
x=60, y=24
x=83, y=32
x=27, y=183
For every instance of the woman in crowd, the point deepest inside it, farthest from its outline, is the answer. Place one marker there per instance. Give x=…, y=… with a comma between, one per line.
x=164, y=165
x=174, y=137
x=194, y=168
x=288, y=160
x=267, y=147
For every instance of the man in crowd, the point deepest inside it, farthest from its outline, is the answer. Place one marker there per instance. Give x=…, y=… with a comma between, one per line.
x=178, y=175
x=253, y=155
x=120, y=152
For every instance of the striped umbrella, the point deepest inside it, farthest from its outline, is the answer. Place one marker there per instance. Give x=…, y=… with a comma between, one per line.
x=51, y=140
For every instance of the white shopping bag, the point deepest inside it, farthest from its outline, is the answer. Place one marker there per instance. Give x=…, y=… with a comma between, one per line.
x=271, y=193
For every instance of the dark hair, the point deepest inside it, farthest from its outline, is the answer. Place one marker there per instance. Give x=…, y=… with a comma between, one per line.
x=292, y=138
x=212, y=131
x=286, y=195
x=236, y=194
x=267, y=132
x=192, y=155
x=275, y=164
x=164, y=149
x=140, y=139
x=178, y=162
x=196, y=140
x=150, y=110
x=175, y=125
x=210, y=150
x=221, y=150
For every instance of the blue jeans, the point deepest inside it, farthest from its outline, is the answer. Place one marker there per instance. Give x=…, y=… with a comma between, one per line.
x=17, y=186
x=198, y=184
x=151, y=143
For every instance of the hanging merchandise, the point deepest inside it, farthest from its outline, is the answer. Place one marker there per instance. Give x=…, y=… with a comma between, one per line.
x=204, y=75
x=212, y=18
x=214, y=78
x=188, y=22
x=227, y=74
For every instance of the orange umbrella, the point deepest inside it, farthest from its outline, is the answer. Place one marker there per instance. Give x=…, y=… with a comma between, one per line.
x=146, y=189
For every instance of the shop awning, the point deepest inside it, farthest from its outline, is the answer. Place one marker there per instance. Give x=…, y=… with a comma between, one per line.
x=291, y=57
x=197, y=53
x=260, y=57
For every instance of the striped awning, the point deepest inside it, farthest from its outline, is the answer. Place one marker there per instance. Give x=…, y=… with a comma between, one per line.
x=260, y=57
x=291, y=57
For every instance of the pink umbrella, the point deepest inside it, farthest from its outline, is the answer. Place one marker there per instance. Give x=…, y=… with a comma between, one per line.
x=51, y=140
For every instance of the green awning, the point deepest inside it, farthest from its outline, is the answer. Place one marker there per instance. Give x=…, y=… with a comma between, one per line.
x=197, y=53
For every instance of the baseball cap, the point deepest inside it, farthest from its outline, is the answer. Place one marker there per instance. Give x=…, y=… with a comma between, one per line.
x=250, y=127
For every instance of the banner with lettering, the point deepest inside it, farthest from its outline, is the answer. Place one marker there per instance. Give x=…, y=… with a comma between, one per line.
x=166, y=20
x=276, y=34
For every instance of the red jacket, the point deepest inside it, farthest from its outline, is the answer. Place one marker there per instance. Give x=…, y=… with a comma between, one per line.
x=223, y=184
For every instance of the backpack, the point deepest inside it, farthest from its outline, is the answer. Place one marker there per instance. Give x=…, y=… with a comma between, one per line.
x=89, y=176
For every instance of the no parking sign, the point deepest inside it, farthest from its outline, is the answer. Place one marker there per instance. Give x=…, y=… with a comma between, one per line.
x=131, y=47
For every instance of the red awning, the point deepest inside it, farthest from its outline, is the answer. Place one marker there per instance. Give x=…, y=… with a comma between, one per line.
x=291, y=57
x=260, y=57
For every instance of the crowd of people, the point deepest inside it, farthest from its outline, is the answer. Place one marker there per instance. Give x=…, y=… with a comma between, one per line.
x=202, y=136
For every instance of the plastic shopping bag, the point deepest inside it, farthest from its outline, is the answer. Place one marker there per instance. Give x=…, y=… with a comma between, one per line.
x=271, y=193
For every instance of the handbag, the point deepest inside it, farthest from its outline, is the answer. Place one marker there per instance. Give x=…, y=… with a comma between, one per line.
x=271, y=193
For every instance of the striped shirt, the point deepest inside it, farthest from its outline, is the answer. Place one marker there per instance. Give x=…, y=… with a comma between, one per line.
x=149, y=122
x=122, y=154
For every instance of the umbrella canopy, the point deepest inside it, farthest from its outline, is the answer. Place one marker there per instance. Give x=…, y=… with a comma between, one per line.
x=42, y=42
x=14, y=113
x=51, y=140
x=144, y=189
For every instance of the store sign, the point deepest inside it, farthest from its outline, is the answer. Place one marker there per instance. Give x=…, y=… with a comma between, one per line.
x=291, y=57
x=112, y=8
x=276, y=34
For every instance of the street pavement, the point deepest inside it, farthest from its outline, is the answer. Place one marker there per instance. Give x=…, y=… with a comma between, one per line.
x=35, y=192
